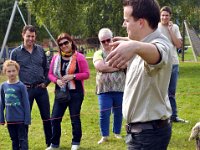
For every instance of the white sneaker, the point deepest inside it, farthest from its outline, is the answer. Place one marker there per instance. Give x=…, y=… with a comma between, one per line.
x=51, y=148
x=103, y=139
x=75, y=147
x=118, y=136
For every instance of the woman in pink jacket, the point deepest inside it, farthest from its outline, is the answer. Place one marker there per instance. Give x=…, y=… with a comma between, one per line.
x=68, y=69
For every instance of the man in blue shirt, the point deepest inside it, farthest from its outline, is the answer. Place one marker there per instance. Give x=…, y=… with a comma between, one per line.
x=34, y=74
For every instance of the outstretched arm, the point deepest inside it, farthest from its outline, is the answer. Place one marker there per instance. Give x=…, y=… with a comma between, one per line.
x=125, y=50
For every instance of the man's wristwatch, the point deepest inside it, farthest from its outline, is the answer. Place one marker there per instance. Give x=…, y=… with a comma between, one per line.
x=74, y=76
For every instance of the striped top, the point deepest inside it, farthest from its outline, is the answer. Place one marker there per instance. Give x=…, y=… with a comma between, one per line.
x=108, y=81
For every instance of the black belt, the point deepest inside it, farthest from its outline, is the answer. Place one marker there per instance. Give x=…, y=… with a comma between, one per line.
x=34, y=85
x=140, y=126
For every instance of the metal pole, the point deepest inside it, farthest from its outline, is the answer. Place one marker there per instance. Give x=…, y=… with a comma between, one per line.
x=183, y=45
x=50, y=34
x=190, y=40
x=21, y=15
x=28, y=13
x=8, y=28
x=29, y=16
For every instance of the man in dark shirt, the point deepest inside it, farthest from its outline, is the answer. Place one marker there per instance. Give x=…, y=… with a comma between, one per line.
x=34, y=74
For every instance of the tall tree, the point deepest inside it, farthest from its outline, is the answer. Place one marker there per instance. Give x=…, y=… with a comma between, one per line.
x=58, y=15
x=77, y=17
x=104, y=13
x=84, y=18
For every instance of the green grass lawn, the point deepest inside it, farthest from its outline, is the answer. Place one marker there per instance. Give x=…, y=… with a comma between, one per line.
x=187, y=102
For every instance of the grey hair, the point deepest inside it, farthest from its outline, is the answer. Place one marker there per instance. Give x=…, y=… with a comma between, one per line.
x=105, y=32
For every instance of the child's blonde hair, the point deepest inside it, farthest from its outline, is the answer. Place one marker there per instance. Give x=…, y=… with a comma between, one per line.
x=10, y=63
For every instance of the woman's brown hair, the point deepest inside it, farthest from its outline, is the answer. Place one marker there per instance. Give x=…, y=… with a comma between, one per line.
x=68, y=37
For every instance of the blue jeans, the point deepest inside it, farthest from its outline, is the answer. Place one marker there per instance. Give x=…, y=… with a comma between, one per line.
x=19, y=136
x=151, y=139
x=74, y=110
x=42, y=99
x=107, y=102
x=172, y=89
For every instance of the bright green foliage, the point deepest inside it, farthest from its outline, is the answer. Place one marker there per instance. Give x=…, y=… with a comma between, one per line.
x=105, y=13
x=77, y=17
x=85, y=18
x=59, y=15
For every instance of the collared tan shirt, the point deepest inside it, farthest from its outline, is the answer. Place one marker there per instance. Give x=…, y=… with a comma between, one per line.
x=145, y=95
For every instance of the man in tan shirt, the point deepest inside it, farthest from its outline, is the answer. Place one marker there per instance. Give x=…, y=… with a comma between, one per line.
x=146, y=105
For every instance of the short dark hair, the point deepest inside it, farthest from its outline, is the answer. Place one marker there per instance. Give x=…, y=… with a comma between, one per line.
x=146, y=9
x=69, y=38
x=30, y=28
x=167, y=9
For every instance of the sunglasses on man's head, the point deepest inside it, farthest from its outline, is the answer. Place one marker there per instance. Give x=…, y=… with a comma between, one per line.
x=107, y=40
x=64, y=43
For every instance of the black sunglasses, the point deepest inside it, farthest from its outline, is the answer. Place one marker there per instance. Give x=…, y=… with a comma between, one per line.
x=107, y=40
x=64, y=43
